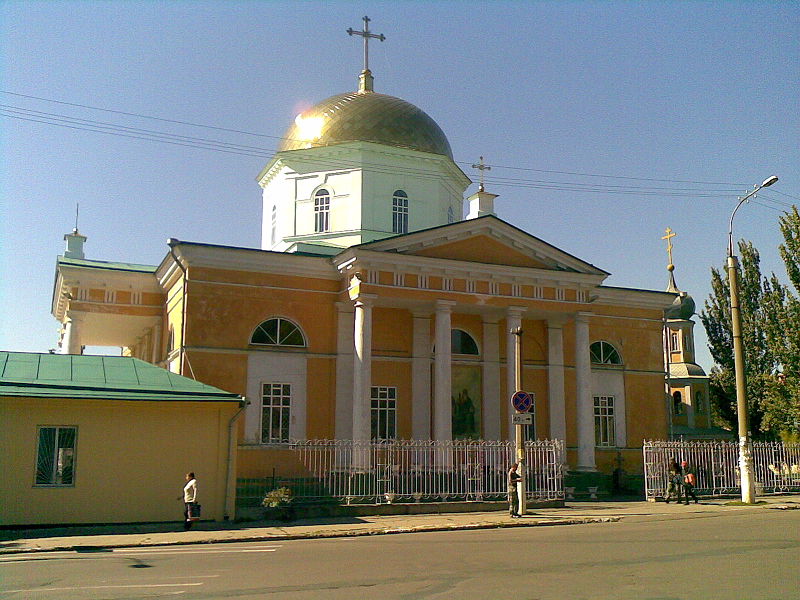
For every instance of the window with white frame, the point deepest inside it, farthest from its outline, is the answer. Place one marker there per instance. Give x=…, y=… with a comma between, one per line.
x=322, y=210
x=399, y=212
x=383, y=412
x=55, y=458
x=278, y=332
x=699, y=402
x=674, y=341
x=603, y=353
x=276, y=403
x=604, y=421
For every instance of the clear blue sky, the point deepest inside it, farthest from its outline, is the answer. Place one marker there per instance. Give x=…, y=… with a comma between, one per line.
x=553, y=94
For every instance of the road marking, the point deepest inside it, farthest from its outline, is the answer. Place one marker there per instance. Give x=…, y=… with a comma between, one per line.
x=101, y=587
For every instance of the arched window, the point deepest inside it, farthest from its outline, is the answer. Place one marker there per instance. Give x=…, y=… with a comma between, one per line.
x=399, y=212
x=462, y=343
x=603, y=353
x=699, y=402
x=677, y=403
x=278, y=332
x=322, y=210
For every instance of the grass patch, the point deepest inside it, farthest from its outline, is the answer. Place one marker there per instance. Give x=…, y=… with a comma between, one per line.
x=740, y=503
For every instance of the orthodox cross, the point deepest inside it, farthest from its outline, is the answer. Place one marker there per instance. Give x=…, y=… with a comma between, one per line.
x=481, y=167
x=366, y=34
x=670, y=234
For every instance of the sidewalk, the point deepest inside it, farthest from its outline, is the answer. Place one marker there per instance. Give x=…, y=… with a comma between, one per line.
x=95, y=538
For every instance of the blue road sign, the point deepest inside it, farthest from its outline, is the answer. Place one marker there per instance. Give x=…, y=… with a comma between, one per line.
x=522, y=401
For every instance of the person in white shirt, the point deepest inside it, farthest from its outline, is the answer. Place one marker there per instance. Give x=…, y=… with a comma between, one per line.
x=189, y=498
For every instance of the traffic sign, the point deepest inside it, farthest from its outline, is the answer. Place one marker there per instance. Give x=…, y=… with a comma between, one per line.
x=522, y=419
x=522, y=401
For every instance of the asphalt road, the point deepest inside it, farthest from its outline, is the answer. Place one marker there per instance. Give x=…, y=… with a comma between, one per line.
x=751, y=554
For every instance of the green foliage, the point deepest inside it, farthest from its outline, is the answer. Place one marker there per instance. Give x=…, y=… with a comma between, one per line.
x=278, y=498
x=770, y=314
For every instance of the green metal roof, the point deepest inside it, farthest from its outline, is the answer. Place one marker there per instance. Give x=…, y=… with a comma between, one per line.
x=99, y=377
x=102, y=264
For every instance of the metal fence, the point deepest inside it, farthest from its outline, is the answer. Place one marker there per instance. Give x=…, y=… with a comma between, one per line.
x=349, y=471
x=776, y=466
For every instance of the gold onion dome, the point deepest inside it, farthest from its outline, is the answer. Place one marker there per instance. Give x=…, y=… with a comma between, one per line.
x=366, y=116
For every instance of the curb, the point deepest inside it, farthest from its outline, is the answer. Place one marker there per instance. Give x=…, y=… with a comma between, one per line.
x=321, y=534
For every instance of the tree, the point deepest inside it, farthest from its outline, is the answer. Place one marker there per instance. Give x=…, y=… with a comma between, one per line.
x=759, y=360
x=770, y=314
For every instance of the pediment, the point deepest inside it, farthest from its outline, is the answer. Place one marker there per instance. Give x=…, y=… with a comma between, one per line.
x=486, y=240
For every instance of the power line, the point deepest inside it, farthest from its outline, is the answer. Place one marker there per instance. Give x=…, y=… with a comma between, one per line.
x=107, y=128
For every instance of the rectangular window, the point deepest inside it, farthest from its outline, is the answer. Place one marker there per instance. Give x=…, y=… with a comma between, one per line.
x=55, y=459
x=674, y=341
x=399, y=215
x=322, y=209
x=276, y=400
x=384, y=412
x=604, y=421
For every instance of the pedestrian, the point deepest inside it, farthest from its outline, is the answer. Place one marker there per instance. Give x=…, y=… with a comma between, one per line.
x=689, y=482
x=189, y=499
x=513, y=496
x=675, y=483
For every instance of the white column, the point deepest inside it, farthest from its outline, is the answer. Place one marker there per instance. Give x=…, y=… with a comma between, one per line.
x=156, y=356
x=492, y=400
x=345, y=326
x=362, y=368
x=71, y=343
x=421, y=377
x=555, y=380
x=584, y=403
x=513, y=320
x=442, y=410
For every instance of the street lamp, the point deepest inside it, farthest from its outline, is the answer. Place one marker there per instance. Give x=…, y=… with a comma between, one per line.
x=745, y=452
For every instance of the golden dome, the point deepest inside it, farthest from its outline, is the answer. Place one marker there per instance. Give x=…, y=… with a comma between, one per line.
x=366, y=116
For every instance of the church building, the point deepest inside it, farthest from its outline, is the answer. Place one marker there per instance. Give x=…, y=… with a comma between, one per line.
x=375, y=310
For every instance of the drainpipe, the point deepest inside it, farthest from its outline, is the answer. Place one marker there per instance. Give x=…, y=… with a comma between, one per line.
x=172, y=242
x=667, y=385
x=229, y=467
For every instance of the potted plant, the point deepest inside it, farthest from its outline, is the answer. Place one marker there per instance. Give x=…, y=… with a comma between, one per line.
x=278, y=503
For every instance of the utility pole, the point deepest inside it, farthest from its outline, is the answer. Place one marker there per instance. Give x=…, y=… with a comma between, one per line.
x=520, y=431
x=745, y=448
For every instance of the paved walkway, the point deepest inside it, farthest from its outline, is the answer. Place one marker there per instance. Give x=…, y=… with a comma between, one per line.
x=99, y=537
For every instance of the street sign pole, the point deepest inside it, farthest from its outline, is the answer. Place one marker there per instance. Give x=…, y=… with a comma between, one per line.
x=520, y=431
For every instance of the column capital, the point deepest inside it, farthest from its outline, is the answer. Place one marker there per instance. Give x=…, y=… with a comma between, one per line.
x=344, y=307
x=364, y=300
x=445, y=305
x=516, y=311
x=421, y=314
x=583, y=317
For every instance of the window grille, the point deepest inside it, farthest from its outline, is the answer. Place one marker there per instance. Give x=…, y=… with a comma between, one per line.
x=278, y=332
x=322, y=207
x=677, y=403
x=604, y=421
x=383, y=412
x=603, y=353
x=399, y=212
x=462, y=343
x=276, y=400
x=55, y=459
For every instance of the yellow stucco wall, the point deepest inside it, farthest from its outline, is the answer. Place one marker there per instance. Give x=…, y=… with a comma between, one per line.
x=130, y=459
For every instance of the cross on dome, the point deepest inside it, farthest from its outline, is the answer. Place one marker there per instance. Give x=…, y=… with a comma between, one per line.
x=366, y=76
x=670, y=234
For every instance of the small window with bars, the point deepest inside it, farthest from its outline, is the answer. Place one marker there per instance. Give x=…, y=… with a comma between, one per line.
x=55, y=458
x=604, y=421
x=383, y=412
x=276, y=402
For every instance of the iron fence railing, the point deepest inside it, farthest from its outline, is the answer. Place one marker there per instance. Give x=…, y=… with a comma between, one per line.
x=354, y=471
x=776, y=466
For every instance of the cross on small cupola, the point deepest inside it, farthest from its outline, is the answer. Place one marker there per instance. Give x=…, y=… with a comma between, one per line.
x=366, y=79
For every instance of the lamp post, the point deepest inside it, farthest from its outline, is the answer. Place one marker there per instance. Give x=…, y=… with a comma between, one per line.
x=745, y=451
